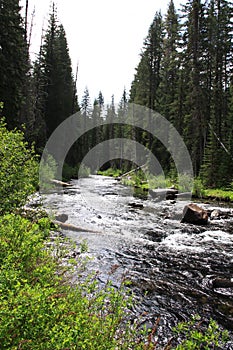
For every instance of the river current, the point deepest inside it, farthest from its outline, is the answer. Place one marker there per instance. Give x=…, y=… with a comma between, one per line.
x=171, y=265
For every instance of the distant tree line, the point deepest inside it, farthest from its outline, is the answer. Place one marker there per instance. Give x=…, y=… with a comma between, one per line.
x=184, y=73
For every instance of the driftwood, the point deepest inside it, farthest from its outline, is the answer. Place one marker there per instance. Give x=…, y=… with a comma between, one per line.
x=184, y=195
x=132, y=171
x=71, y=227
x=168, y=193
x=60, y=183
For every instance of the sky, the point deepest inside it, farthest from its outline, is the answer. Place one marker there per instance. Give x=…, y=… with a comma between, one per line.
x=105, y=38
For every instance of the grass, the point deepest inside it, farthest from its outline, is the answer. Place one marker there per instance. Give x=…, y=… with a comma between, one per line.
x=110, y=172
x=218, y=194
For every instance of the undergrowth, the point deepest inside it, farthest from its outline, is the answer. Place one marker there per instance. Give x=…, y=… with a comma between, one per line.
x=40, y=309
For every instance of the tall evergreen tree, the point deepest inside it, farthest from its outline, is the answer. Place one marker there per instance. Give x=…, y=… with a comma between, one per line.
x=54, y=75
x=145, y=87
x=147, y=78
x=195, y=122
x=217, y=167
x=170, y=66
x=14, y=62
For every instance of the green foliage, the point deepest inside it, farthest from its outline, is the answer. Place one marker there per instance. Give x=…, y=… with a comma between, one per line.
x=74, y=172
x=48, y=169
x=184, y=73
x=195, y=338
x=159, y=181
x=110, y=172
x=14, y=62
x=198, y=188
x=38, y=310
x=56, y=92
x=219, y=194
x=18, y=171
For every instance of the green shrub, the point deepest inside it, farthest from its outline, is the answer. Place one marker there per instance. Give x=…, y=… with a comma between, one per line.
x=198, y=188
x=48, y=170
x=195, y=338
x=39, y=310
x=18, y=170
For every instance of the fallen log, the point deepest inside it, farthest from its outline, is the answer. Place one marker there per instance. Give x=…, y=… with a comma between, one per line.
x=184, y=195
x=132, y=171
x=168, y=193
x=60, y=183
x=71, y=227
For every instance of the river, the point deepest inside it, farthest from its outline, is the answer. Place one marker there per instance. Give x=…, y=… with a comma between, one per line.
x=171, y=265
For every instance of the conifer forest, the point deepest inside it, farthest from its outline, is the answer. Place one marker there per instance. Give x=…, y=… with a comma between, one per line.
x=110, y=254
x=184, y=73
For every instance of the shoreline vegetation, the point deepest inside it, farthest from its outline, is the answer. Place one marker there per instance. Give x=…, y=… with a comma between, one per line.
x=144, y=181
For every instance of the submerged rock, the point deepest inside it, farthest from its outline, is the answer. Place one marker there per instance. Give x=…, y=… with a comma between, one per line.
x=61, y=217
x=222, y=283
x=193, y=214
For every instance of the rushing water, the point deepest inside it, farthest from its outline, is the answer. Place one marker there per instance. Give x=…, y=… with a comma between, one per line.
x=171, y=265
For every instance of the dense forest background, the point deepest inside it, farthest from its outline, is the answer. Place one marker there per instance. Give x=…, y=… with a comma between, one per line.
x=185, y=73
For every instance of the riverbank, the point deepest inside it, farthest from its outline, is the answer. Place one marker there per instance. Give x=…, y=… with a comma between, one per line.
x=144, y=182
x=40, y=306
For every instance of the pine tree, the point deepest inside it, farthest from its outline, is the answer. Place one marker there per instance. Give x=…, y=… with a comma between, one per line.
x=145, y=87
x=195, y=122
x=216, y=167
x=14, y=63
x=54, y=76
x=147, y=78
x=170, y=65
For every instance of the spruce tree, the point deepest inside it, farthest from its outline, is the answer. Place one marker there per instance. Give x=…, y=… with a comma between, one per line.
x=217, y=159
x=53, y=73
x=170, y=66
x=14, y=63
x=195, y=122
x=147, y=78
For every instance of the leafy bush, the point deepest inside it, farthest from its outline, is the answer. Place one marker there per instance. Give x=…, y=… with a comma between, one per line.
x=198, y=188
x=48, y=169
x=195, y=338
x=110, y=172
x=39, y=310
x=18, y=170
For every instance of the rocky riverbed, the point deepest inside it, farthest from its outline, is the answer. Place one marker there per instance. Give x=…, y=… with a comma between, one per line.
x=175, y=268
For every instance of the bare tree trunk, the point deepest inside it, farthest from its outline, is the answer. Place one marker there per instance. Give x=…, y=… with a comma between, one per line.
x=31, y=27
x=26, y=21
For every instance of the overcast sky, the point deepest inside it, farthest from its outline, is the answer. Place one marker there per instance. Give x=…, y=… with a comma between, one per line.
x=105, y=37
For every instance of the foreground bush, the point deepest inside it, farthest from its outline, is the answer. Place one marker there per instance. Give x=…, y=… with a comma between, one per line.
x=18, y=170
x=39, y=310
x=193, y=337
